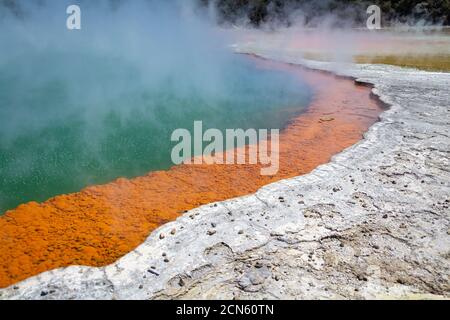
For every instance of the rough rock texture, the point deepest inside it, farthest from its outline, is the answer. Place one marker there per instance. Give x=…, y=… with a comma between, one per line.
x=373, y=223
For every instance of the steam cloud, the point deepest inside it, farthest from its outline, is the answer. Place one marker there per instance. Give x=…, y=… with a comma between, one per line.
x=130, y=69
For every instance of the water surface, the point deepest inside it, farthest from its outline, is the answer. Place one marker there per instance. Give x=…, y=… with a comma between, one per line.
x=69, y=120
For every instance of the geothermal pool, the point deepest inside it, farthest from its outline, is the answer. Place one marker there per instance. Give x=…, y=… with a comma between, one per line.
x=80, y=109
x=70, y=120
x=101, y=223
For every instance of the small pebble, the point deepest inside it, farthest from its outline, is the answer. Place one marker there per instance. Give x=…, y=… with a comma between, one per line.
x=162, y=236
x=173, y=231
x=211, y=232
x=361, y=278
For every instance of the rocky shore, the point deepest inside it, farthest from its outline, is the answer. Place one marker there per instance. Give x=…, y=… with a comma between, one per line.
x=372, y=223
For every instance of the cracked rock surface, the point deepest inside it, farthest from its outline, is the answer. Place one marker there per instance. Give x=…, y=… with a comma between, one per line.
x=372, y=223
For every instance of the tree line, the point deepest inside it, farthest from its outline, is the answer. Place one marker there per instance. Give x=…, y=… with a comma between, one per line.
x=257, y=12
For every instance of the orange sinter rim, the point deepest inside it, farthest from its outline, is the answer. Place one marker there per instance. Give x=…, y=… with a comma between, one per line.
x=99, y=224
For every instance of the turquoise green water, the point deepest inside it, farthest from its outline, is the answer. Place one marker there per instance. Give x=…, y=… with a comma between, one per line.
x=69, y=121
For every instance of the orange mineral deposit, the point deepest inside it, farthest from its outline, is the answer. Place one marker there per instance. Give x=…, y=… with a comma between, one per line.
x=99, y=224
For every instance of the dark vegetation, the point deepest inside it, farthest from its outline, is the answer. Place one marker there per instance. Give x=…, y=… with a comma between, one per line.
x=345, y=12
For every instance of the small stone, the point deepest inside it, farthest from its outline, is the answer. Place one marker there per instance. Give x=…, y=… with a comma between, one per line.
x=141, y=286
x=258, y=265
x=341, y=245
x=326, y=119
x=211, y=232
x=166, y=260
x=181, y=283
x=173, y=231
x=164, y=254
x=161, y=236
x=241, y=232
x=44, y=293
x=153, y=271
x=376, y=246
x=213, y=225
x=361, y=278
x=385, y=216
